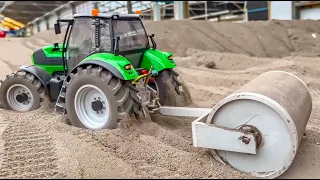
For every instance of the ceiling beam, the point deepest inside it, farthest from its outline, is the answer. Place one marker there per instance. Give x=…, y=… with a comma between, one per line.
x=6, y=3
x=24, y=11
x=38, y=6
x=24, y=18
x=51, y=12
x=39, y=3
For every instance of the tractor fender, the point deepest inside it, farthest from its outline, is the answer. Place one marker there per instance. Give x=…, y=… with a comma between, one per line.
x=158, y=60
x=43, y=76
x=105, y=65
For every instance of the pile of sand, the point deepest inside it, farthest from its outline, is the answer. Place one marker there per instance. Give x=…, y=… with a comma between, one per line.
x=261, y=38
x=39, y=144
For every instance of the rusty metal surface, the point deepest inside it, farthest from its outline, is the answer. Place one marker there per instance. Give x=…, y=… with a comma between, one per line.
x=255, y=131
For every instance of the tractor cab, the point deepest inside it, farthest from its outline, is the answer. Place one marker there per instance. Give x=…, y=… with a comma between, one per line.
x=119, y=34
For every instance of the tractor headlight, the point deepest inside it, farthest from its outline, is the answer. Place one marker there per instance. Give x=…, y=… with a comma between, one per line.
x=128, y=67
x=170, y=57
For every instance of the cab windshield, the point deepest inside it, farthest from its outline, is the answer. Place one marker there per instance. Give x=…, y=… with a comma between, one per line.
x=131, y=32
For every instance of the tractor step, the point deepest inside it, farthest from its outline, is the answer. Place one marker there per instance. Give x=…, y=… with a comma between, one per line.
x=62, y=105
x=63, y=94
x=60, y=108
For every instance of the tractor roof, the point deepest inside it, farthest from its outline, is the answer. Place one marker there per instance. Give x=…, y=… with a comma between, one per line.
x=113, y=15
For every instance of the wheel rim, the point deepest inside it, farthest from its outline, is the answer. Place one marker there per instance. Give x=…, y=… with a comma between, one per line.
x=20, y=98
x=84, y=102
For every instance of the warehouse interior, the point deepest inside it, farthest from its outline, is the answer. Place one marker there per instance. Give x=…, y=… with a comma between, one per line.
x=31, y=17
x=216, y=49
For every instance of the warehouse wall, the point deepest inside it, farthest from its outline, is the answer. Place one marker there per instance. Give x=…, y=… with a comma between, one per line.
x=35, y=29
x=28, y=31
x=65, y=14
x=310, y=13
x=43, y=25
x=52, y=20
x=281, y=10
x=257, y=10
x=85, y=7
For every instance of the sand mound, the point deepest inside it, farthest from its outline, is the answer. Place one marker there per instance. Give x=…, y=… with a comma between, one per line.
x=261, y=39
x=39, y=145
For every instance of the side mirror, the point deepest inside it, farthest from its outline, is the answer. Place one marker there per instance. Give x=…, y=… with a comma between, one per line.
x=57, y=28
x=154, y=44
x=116, y=45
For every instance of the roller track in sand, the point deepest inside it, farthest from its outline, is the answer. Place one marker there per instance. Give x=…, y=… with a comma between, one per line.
x=28, y=151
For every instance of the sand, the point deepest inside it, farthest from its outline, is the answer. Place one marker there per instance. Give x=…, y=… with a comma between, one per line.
x=40, y=145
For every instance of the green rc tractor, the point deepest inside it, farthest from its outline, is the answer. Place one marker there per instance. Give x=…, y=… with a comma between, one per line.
x=105, y=68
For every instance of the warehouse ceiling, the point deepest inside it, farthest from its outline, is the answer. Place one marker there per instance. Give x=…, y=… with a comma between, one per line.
x=26, y=11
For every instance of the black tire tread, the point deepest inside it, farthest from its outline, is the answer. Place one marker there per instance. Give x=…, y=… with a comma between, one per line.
x=125, y=95
x=28, y=77
x=169, y=87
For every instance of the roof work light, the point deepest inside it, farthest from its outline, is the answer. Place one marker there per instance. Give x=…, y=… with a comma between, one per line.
x=94, y=12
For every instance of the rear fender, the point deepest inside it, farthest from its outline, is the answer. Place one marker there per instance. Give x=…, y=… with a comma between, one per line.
x=158, y=60
x=43, y=76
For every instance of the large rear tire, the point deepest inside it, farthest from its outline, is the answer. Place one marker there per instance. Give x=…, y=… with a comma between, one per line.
x=96, y=99
x=21, y=91
x=172, y=92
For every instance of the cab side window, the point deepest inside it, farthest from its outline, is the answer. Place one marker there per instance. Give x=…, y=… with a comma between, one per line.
x=105, y=40
x=132, y=34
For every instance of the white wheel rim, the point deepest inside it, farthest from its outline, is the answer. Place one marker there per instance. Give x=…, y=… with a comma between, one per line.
x=16, y=90
x=83, y=107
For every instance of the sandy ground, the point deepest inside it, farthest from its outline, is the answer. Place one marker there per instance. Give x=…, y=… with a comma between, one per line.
x=38, y=144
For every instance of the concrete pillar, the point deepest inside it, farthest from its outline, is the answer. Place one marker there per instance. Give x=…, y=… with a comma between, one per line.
x=58, y=14
x=295, y=14
x=281, y=10
x=31, y=29
x=129, y=7
x=186, y=11
x=156, y=12
x=96, y=5
x=47, y=22
x=178, y=10
x=22, y=32
x=181, y=10
x=73, y=9
x=38, y=25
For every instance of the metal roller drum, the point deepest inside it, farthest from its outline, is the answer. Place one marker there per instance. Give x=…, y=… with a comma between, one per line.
x=277, y=106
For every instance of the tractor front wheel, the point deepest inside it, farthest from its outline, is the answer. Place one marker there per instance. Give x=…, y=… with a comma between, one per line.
x=172, y=92
x=96, y=99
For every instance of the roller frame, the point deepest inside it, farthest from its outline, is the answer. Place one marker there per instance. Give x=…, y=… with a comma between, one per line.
x=210, y=136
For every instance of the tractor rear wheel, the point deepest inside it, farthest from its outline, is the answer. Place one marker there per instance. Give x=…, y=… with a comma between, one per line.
x=22, y=92
x=96, y=99
x=172, y=92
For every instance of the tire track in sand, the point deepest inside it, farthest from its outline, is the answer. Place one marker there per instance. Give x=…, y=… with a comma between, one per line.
x=28, y=152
